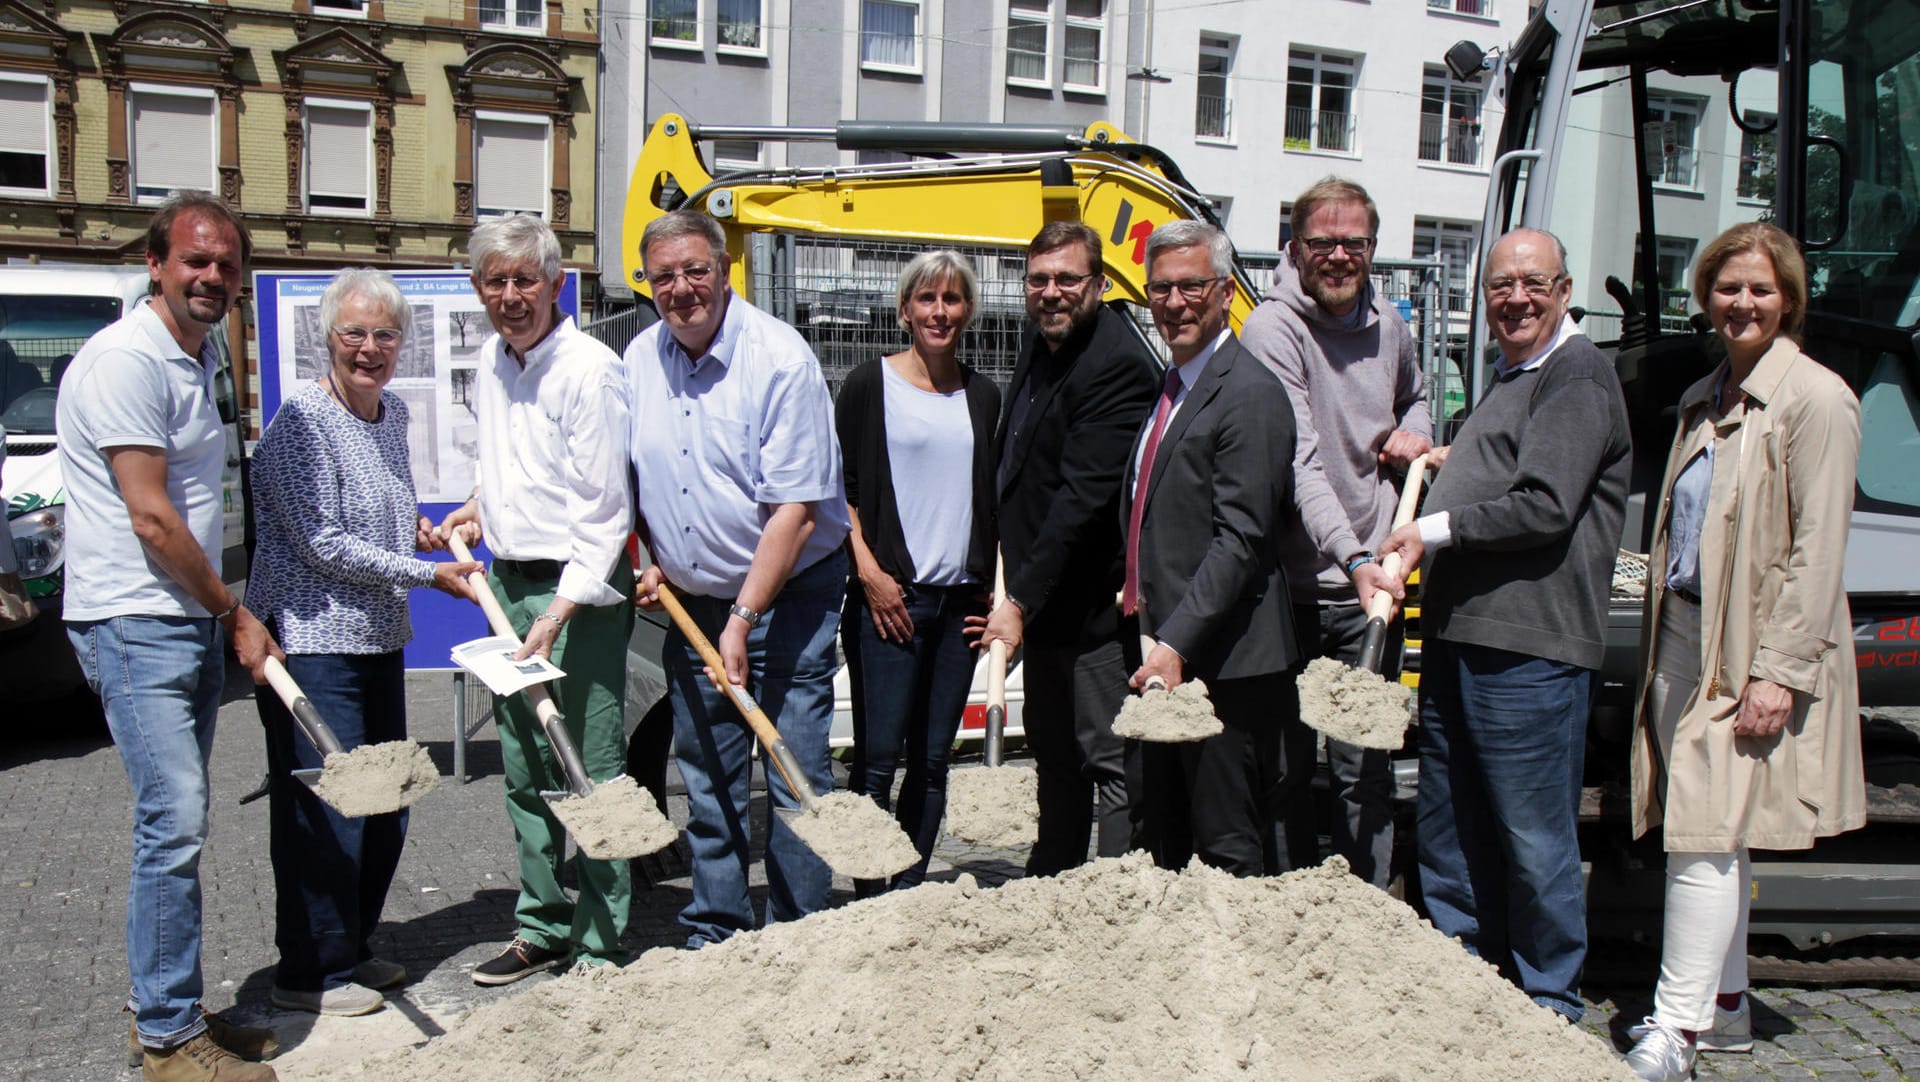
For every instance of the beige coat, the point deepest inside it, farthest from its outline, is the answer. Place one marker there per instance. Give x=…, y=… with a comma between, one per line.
x=1773, y=608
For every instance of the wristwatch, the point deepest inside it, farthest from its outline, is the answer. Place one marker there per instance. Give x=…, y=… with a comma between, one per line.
x=1359, y=558
x=751, y=617
x=1018, y=605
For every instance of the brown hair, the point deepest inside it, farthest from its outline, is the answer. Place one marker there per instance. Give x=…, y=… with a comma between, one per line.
x=193, y=204
x=1771, y=241
x=1333, y=190
x=1059, y=234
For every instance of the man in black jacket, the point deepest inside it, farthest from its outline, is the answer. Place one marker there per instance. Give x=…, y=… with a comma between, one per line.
x=1081, y=390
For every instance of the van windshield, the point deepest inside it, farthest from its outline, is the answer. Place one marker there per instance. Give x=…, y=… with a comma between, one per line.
x=38, y=337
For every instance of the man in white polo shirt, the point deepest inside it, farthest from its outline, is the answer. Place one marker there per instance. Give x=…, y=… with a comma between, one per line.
x=141, y=453
x=743, y=507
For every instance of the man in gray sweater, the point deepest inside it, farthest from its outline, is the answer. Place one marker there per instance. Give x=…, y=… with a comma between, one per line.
x=1360, y=407
x=1522, y=525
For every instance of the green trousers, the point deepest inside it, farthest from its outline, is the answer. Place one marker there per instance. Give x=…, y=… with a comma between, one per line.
x=592, y=648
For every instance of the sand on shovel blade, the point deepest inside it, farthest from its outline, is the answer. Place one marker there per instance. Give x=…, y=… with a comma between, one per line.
x=997, y=806
x=1355, y=705
x=617, y=821
x=374, y=779
x=1180, y=716
x=855, y=837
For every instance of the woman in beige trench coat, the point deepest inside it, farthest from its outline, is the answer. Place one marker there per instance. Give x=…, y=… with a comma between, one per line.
x=1748, y=732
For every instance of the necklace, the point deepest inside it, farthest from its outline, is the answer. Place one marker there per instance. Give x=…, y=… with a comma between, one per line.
x=333, y=392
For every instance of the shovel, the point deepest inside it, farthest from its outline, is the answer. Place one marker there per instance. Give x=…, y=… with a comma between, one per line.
x=370, y=780
x=306, y=717
x=1373, y=643
x=852, y=835
x=1160, y=715
x=993, y=804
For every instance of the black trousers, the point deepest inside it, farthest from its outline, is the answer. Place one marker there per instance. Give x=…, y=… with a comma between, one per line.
x=1214, y=799
x=1072, y=694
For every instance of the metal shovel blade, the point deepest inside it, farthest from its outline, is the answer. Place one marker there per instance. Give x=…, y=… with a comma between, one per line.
x=309, y=777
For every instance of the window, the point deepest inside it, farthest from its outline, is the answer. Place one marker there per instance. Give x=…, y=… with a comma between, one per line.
x=354, y=8
x=1320, y=103
x=174, y=140
x=1213, y=108
x=1029, y=29
x=1756, y=157
x=339, y=163
x=881, y=157
x=1084, y=66
x=890, y=35
x=510, y=161
x=24, y=136
x=1483, y=8
x=734, y=154
x=521, y=15
x=1449, y=119
x=674, y=22
x=1673, y=134
x=1670, y=258
x=1453, y=241
x=740, y=27
x=1286, y=224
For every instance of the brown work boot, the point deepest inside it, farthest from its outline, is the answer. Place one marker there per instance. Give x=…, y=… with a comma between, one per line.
x=200, y=1060
x=248, y=1042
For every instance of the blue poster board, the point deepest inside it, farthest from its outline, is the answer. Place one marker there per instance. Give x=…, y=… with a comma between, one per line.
x=435, y=375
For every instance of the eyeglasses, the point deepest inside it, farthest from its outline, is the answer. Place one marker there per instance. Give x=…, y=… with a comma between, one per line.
x=696, y=275
x=520, y=283
x=1191, y=289
x=1068, y=283
x=1326, y=245
x=355, y=336
x=1535, y=285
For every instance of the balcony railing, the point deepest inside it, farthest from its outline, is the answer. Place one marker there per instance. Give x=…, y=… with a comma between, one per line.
x=1213, y=116
x=1309, y=129
x=1677, y=169
x=1463, y=7
x=674, y=26
x=1456, y=142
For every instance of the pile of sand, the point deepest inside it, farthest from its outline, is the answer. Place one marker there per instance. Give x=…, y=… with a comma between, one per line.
x=617, y=821
x=855, y=837
x=1354, y=705
x=997, y=806
x=374, y=779
x=1116, y=971
x=1180, y=716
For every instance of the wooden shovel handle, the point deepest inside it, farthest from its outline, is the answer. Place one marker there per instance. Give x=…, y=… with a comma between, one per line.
x=1403, y=514
x=757, y=720
x=302, y=709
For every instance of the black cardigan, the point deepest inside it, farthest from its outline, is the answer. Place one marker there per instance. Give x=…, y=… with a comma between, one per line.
x=860, y=415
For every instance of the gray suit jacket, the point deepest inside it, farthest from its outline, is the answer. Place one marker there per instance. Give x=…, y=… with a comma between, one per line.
x=1217, y=498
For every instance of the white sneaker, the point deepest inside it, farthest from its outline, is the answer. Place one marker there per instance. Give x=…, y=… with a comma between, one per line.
x=347, y=999
x=1662, y=1054
x=1732, y=1030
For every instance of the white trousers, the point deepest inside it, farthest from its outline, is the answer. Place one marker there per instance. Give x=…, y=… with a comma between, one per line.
x=1703, y=949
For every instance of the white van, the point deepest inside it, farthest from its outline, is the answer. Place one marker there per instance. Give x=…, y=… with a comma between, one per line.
x=46, y=314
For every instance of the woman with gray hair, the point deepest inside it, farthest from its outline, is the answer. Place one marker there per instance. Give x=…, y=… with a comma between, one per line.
x=922, y=548
x=339, y=526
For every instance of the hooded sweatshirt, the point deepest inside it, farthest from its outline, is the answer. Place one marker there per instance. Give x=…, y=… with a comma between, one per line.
x=1353, y=381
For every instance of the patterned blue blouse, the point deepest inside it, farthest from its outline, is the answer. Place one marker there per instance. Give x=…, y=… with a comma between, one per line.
x=334, y=517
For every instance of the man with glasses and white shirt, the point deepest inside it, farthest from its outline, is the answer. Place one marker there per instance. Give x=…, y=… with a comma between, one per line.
x=1522, y=525
x=744, y=509
x=1080, y=392
x=1360, y=405
x=552, y=499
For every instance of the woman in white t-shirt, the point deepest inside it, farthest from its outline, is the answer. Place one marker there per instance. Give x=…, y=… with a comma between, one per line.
x=916, y=430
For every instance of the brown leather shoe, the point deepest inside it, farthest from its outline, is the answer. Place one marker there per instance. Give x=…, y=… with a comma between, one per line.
x=248, y=1042
x=200, y=1060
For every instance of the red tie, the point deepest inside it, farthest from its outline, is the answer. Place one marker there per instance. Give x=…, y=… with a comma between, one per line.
x=1130, y=594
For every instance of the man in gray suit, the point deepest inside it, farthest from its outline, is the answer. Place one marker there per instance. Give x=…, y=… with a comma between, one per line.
x=1203, y=508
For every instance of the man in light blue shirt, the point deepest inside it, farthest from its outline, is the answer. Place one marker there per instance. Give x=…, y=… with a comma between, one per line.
x=743, y=509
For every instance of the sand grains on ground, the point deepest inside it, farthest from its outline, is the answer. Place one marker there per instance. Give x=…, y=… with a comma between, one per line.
x=1116, y=971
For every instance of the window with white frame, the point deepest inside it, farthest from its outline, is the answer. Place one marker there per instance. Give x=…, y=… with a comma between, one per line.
x=1320, y=101
x=510, y=163
x=890, y=35
x=1084, y=60
x=1212, y=105
x=339, y=157
x=173, y=133
x=1482, y=8
x=340, y=7
x=1757, y=156
x=734, y=154
x=1449, y=119
x=25, y=136
x=739, y=27
x=1286, y=224
x=1029, y=33
x=522, y=15
x=1671, y=255
x=673, y=22
x=1454, y=242
x=1673, y=134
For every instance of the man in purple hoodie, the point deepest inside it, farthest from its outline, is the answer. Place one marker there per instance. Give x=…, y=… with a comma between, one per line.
x=1360, y=404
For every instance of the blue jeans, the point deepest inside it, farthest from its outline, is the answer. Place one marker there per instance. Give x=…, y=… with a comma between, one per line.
x=159, y=680
x=1502, y=742
x=791, y=665
x=330, y=873
x=907, y=702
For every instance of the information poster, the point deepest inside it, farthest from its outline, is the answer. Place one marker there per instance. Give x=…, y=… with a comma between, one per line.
x=435, y=376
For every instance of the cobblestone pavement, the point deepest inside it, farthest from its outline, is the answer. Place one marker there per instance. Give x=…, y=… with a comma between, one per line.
x=64, y=807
